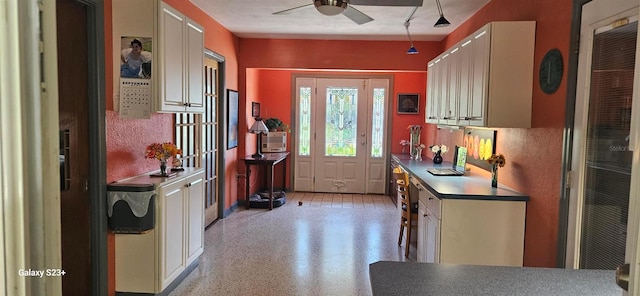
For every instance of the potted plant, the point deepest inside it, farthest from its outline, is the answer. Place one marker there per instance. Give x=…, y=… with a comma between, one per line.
x=275, y=124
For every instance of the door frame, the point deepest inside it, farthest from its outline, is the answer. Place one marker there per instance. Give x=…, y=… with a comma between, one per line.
x=567, y=137
x=97, y=145
x=355, y=75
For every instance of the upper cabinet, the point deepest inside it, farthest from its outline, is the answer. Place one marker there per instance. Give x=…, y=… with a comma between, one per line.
x=177, y=51
x=181, y=55
x=484, y=80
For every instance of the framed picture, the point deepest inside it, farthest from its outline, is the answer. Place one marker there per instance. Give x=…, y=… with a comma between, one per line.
x=408, y=103
x=232, y=119
x=480, y=143
x=255, y=109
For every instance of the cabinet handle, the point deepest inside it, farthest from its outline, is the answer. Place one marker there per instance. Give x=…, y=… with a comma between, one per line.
x=430, y=198
x=185, y=104
x=424, y=215
x=432, y=117
x=187, y=185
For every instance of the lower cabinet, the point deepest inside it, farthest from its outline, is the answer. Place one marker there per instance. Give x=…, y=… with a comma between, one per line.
x=468, y=231
x=150, y=262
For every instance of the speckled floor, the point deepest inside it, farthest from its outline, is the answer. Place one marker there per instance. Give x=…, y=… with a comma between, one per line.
x=323, y=247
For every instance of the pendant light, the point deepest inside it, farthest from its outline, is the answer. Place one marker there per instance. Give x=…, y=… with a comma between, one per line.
x=442, y=22
x=412, y=50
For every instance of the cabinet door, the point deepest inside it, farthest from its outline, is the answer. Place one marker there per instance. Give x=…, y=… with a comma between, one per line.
x=171, y=64
x=443, y=93
x=194, y=197
x=194, y=67
x=172, y=233
x=480, y=57
x=453, y=85
x=421, y=248
x=432, y=106
x=432, y=230
x=466, y=73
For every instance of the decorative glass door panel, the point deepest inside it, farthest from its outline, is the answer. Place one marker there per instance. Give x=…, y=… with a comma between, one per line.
x=341, y=118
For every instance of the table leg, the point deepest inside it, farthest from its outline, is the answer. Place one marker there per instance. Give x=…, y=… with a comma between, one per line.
x=247, y=185
x=284, y=174
x=270, y=181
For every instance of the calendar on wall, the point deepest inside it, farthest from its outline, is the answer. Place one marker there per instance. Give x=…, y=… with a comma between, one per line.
x=135, y=98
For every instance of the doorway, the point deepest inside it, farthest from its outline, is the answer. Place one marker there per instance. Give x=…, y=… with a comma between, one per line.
x=341, y=141
x=602, y=162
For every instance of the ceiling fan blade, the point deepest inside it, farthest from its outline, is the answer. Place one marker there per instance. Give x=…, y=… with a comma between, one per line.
x=291, y=9
x=356, y=15
x=387, y=2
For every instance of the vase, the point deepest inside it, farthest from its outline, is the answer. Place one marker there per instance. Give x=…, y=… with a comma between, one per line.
x=414, y=140
x=163, y=167
x=494, y=175
x=437, y=159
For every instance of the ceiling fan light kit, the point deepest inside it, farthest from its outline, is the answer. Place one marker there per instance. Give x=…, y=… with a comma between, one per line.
x=331, y=7
x=442, y=21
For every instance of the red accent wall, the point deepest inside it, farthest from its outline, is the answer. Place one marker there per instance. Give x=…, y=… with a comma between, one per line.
x=128, y=138
x=533, y=155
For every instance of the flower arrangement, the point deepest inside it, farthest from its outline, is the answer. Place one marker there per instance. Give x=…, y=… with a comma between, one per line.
x=419, y=148
x=496, y=161
x=162, y=151
x=404, y=144
x=439, y=149
x=414, y=128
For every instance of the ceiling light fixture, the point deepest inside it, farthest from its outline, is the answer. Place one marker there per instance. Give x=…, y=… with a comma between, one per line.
x=412, y=50
x=331, y=7
x=442, y=22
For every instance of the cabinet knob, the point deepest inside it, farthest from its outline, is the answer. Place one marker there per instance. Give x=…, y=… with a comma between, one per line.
x=185, y=104
x=430, y=198
x=424, y=215
x=187, y=185
x=446, y=117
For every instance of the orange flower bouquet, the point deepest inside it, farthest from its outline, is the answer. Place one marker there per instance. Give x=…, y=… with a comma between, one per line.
x=496, y=161
x=162, y=152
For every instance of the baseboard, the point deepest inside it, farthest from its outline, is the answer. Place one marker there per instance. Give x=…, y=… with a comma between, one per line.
x=169, y=288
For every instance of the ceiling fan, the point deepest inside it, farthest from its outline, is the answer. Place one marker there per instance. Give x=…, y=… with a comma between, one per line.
x=335, y=7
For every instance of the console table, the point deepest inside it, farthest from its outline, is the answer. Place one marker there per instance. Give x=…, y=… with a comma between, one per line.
x=269, y=160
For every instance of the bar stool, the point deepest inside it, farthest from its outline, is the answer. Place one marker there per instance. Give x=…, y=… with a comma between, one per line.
x=409, y=216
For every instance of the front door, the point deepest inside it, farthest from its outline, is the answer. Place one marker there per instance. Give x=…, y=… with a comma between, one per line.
x=73, y=108
x=603, y=119
x=341, y=139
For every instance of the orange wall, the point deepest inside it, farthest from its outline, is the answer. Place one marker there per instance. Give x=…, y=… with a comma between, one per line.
x=128, y=138
x=533, y=155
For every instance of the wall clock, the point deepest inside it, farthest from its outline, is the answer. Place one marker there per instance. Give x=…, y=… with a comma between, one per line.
x=551, y=71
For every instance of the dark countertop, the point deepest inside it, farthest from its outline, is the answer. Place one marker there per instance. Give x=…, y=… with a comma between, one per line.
x=413, y=278
x=469, y=186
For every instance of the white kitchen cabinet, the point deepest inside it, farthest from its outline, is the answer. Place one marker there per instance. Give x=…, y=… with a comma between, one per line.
x=469, y=231
x=150, y=262
x=177, y=54
x=181, y=55
x=489, y=77
x=432, y=98
x=421, y=249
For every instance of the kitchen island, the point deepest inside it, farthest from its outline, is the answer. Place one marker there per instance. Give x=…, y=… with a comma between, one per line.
x=412, y=278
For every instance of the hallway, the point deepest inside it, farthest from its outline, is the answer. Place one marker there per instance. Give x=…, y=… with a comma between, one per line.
x=323, y=247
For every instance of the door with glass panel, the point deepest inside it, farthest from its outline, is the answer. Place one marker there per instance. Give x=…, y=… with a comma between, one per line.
x=341, y=136
x=602, y=161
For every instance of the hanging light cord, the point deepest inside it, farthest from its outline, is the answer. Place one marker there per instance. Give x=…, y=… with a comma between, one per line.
x=439, y=8
x=406, y=26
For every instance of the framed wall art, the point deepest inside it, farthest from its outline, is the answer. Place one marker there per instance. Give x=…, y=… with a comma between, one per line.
x=232, y=119
x=481, y=144
x=255, y=109
x=408, y=103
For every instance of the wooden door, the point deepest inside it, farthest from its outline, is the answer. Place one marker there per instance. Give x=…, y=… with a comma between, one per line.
x=73, y=108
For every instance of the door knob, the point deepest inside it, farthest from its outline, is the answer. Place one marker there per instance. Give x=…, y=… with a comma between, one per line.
x=622, y=276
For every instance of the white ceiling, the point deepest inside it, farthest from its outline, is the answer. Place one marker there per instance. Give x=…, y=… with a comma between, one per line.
x=254, y=19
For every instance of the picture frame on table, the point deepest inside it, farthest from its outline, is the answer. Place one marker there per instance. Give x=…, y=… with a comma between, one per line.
x=232, y=119
x=408, y=103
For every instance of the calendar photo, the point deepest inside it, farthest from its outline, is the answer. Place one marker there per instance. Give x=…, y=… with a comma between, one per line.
x=135, y=57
